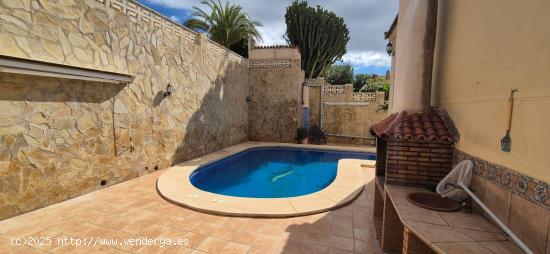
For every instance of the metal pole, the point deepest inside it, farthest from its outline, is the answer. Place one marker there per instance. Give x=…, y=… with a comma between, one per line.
x=501, y=225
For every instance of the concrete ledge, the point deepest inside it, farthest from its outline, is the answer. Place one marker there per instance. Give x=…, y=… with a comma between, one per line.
x=175, y=186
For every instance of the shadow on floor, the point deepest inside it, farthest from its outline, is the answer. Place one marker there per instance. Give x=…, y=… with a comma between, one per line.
x=349, y=229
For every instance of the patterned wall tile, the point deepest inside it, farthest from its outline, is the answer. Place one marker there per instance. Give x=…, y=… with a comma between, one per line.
x=524, y=186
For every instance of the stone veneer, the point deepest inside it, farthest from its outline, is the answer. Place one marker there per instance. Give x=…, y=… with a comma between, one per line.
x=519, y=201
x=275, y=96
x=60, y=138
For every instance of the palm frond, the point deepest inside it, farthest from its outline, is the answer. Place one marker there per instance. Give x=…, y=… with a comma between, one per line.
x=225, y=23
x=197, y=25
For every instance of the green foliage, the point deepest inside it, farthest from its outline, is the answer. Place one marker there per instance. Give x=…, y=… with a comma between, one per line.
x=359, y=81
x=339, y=74
x=228, y=24
x=377, y=84
x=320, y=34
x=240, y=48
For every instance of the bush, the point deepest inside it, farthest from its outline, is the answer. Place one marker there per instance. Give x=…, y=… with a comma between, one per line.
x=359, y=81
x=339, y=74
x=377, y=84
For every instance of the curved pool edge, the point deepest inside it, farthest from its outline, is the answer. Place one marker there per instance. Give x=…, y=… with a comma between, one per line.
x=174, y=185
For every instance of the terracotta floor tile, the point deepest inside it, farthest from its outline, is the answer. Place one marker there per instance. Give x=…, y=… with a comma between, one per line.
x=133, y=209
x=244, y=237
x=223, y=233
x=187, y=224
x=362, y=247
x=195, y=239
x=303, y=248
x=7, y=247
x=364, y=235
x=341, y=243
x=468, y=221
x=319, y=238
x=235, y=248
x=461, y=248
x=477, y=235
x=152, y=231
x=320, y=226
x=346, y=212
x=206, y=228
x=274, y=230
x=212, y=245
x=502, y=247
x=235, y=223
x=439, y=234
x=414, y=213
x=152, y=249
x=342, y=230
x=337, y=251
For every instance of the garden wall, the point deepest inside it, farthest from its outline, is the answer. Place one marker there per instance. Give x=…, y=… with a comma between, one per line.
x=275, y=102
x=59, y=138
x=346, y=115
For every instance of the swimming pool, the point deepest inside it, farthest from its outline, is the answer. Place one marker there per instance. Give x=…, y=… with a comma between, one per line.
x=272, y=172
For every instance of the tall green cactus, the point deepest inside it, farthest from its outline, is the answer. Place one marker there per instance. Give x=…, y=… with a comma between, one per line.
x=320, y=34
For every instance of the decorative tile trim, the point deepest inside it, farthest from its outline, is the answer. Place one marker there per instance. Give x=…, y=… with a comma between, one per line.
x=531, y=189
x=364, y=97
x=315, y=81
x=333, y=89
x=269, y=63
x=142, y=14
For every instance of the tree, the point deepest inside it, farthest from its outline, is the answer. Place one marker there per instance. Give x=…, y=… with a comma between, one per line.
x=377, y=84
x=359, y=81
x=228, y=25
x=320, y=34
x=339, y=74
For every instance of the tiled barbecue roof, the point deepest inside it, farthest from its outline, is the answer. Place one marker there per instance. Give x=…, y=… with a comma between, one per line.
x=426, y=126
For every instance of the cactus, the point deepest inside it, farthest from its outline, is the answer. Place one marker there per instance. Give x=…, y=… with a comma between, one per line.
x=320, y=34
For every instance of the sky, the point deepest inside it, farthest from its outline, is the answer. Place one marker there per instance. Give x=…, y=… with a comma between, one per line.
x=366, y=19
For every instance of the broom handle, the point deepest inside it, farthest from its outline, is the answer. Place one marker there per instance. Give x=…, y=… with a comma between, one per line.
x=511, y=109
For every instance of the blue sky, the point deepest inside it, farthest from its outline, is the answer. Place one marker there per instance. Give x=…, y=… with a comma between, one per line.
x=367, y=20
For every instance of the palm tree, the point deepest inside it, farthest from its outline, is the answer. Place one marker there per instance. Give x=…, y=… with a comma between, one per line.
x=226, y=24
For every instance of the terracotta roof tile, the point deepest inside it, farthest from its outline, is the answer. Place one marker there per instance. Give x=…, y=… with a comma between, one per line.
x=426, y=126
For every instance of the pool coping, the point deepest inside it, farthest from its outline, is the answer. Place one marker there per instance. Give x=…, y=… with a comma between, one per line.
x=175, y=186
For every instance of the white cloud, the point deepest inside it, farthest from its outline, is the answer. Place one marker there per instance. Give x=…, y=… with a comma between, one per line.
x=366, y=19
x=272, y=35
x=174, y=18
x=367, y=58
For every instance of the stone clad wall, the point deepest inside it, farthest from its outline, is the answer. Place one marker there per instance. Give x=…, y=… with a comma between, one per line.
x=59, y=138
x=275, y=107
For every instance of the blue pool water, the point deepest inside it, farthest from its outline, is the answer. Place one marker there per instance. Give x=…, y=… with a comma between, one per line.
x=272, y=172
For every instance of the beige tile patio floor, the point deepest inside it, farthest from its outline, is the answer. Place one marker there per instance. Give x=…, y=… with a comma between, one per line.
x=134, y=209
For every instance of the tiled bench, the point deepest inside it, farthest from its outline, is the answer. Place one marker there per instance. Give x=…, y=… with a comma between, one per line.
x=407, y=228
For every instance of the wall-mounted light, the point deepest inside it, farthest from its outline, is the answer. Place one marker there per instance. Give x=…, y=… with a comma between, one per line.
x=389, y=48
x=169, y=89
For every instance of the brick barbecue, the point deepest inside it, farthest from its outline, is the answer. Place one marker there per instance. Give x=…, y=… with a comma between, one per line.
x=414, y=148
